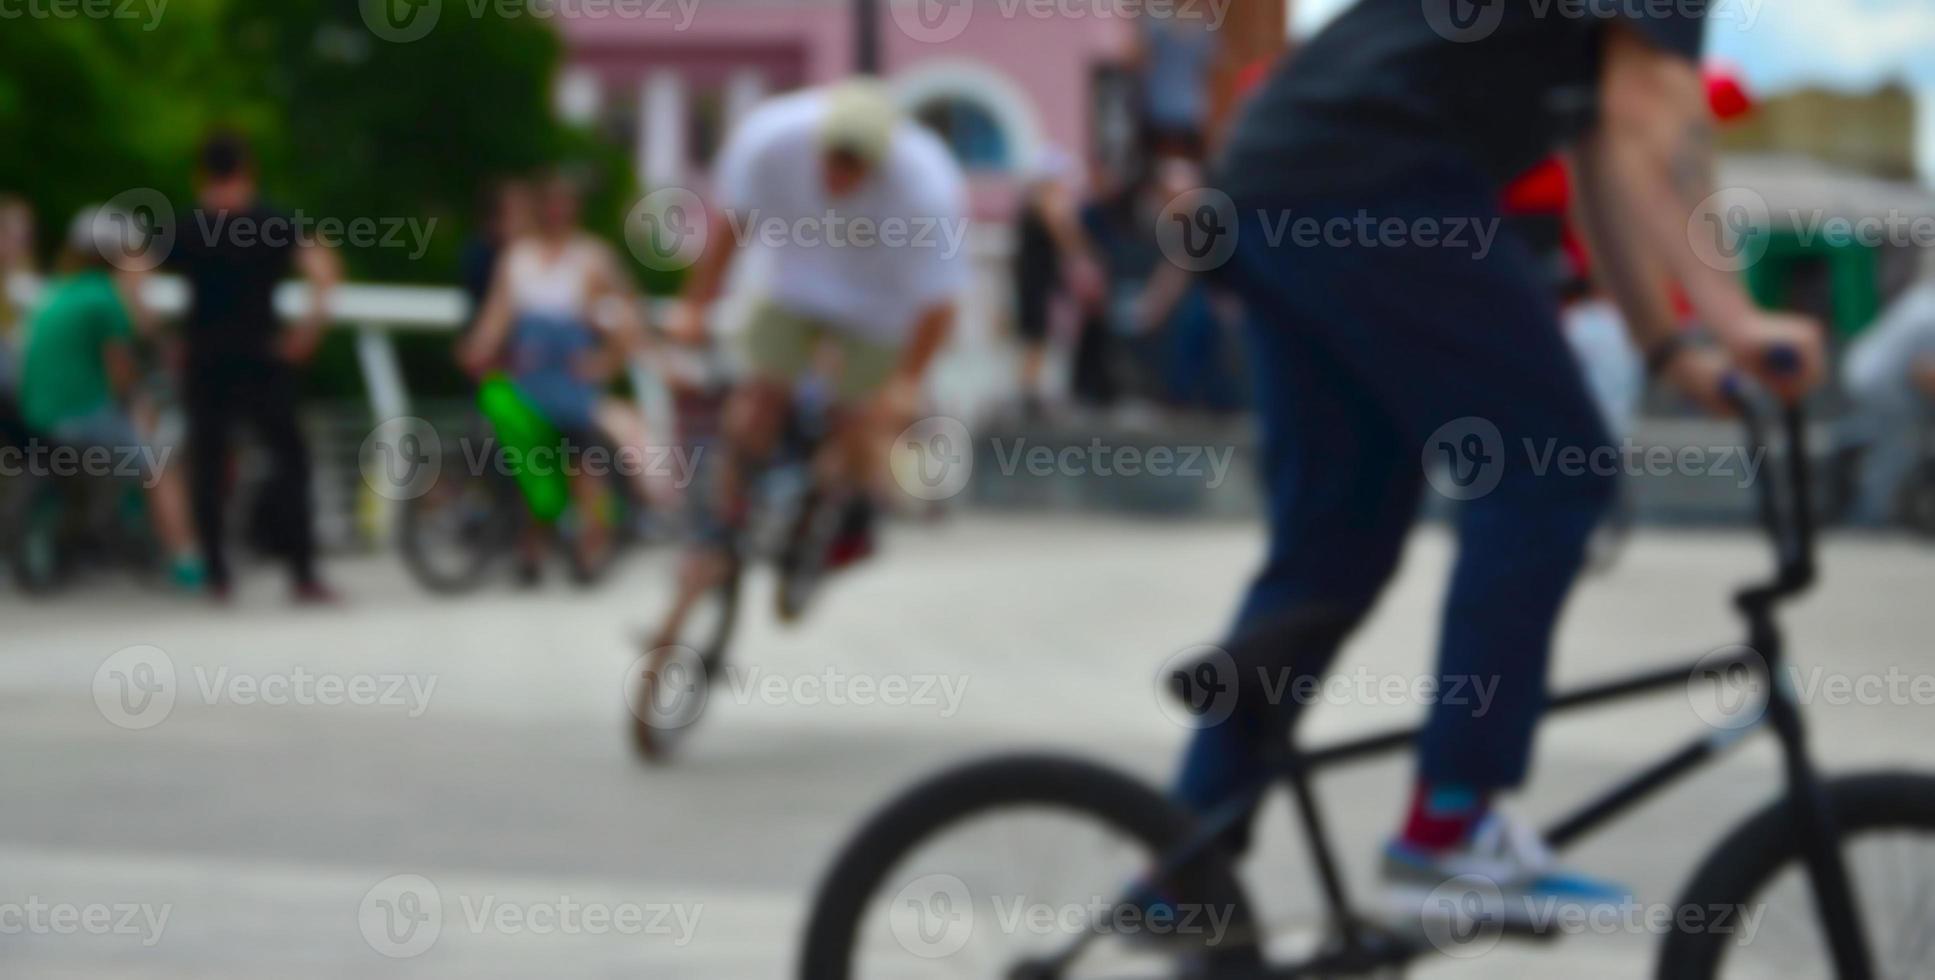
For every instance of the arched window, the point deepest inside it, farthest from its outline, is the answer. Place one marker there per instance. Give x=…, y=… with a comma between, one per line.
x=970, y=129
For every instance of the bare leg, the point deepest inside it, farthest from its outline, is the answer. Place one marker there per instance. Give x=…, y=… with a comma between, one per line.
x=168, y=503
x=620, y=421
x=594, y=540
x=752, y=424
x=1032, y=358
x=167, y=494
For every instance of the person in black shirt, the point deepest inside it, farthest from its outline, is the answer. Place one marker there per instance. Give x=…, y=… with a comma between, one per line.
x=240, y=363
x=1052, y=255
x=1398, y=340
x=506, y=214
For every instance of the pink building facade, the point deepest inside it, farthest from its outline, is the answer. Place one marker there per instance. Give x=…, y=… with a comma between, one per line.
x=1004, y=80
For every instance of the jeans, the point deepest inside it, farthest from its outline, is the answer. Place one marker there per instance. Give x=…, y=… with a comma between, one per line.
x=1889, y=423
x=223, y=393
x=1374, y=362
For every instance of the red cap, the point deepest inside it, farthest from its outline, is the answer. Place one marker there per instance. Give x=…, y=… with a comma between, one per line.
x=1727, y=94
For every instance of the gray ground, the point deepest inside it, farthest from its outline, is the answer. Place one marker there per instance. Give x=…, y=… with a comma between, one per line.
x=262, y=828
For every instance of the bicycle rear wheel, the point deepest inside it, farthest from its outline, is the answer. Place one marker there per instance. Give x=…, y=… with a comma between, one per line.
x=455, y=531
x=1750, y=909
x=36, y=525
x=1029, y=867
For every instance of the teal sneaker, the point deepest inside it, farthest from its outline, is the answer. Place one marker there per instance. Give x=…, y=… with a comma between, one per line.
x=1502, y=881
x=188, y=574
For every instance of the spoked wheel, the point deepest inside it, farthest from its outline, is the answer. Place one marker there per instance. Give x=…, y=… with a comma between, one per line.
x=588, y=569
x=1027, y=868
x=455, y=531
x=667, y=688
x=37, y=519
x=1755, y=901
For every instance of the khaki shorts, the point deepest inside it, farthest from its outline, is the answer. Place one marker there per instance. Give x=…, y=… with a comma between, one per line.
x=781, y=345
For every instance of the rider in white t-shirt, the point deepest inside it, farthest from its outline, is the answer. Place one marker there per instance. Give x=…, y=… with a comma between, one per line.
x=863, y=214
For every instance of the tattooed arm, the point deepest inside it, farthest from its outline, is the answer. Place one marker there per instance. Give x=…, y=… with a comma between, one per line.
x=1645, y=200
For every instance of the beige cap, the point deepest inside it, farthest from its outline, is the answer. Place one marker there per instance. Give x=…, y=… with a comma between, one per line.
x=860, y=119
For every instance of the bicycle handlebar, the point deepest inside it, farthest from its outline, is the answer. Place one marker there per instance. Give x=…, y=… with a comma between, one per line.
x=1786, y=512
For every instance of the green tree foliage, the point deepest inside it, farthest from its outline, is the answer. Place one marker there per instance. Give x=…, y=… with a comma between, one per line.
x=348, y=125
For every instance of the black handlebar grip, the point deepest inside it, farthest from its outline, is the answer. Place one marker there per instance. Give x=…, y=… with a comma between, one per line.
x=1782, y=360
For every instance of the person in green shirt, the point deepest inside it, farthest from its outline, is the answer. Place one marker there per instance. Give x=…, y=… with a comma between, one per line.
x=79, y=373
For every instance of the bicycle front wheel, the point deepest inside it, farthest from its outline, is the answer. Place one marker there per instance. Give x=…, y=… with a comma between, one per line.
x=1750, y=910
x=668, y=687
x=1028, y=866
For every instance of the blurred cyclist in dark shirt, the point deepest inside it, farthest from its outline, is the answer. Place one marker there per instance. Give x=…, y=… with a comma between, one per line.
x=1398, y=339
x=241, y=363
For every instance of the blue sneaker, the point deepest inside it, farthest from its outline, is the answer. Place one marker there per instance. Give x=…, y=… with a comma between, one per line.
x=1502, y=880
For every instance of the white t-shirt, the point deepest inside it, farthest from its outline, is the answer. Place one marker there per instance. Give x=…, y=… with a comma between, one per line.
x=1877, y=364
x=870, y=262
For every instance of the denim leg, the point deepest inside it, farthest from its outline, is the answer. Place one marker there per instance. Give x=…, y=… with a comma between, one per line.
x=1342, y=497
x=1363, y=356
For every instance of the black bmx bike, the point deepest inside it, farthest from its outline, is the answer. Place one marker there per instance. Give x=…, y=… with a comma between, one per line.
x=1113, y=880
x=794, y=516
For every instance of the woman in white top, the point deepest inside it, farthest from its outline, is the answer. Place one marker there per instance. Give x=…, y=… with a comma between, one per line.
x=562, y=321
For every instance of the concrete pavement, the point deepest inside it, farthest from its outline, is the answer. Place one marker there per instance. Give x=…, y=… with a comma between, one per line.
x=314, y=767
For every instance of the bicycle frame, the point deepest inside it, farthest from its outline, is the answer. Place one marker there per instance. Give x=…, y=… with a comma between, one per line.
x=1787, y=516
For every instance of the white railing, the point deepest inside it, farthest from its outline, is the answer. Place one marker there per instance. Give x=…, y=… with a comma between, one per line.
x=374, y=312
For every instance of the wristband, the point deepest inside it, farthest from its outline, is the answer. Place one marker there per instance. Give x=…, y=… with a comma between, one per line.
x=1663, y=353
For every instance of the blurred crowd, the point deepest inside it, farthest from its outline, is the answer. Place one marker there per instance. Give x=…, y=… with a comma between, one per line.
x=1102, y=319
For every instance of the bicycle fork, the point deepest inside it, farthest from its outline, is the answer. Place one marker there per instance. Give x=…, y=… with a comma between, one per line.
x=1815, y=822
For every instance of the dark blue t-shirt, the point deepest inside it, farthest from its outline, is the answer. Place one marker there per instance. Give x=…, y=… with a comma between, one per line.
x=1395, y=87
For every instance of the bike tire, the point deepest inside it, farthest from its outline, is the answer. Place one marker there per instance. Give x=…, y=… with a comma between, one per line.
x=1086, y=790
x=656, y=740
x=1754, y=854
x=802, y=565
x=35, y=523
x=588, y=573
x=496, y=536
